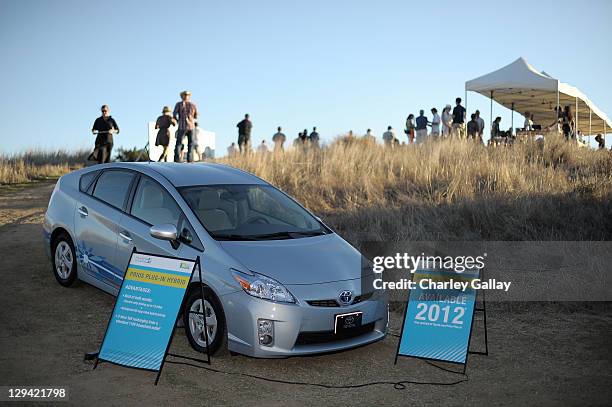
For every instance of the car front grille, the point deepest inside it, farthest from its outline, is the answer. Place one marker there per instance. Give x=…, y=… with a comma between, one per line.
x=334, y=303
x=313, y=338
x=323, y=303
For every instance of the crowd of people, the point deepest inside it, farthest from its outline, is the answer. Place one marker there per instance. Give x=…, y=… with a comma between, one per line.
x=450, y=124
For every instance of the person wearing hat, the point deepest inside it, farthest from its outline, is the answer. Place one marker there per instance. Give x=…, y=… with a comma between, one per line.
x=163, y=123
x=186, y=114
x=103, y=127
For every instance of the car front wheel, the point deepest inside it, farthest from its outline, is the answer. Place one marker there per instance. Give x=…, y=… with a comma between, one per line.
x=193, y=319
x=64, y=260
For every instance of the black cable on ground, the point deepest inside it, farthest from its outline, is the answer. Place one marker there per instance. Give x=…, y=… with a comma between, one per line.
x=399, y=385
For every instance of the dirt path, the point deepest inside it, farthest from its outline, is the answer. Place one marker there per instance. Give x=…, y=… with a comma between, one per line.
x=540, y=355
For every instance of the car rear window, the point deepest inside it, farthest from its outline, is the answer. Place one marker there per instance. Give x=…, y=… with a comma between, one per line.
x=113, y=186
x=86, y=180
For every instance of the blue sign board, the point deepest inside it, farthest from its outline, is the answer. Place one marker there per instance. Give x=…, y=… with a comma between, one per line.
x=438, y=320
x=146, y=310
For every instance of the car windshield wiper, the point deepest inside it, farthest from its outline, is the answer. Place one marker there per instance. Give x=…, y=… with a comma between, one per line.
x=289, y=234
x=233, y=236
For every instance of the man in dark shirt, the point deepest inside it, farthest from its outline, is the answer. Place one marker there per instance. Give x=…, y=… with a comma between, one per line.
x=458, y=119
x=421, y=127
x=473, y=128
x=244, y=134
x=104, y=127
x=314, y=137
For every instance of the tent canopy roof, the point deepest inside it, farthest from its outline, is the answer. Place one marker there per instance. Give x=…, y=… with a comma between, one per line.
x=521, y=87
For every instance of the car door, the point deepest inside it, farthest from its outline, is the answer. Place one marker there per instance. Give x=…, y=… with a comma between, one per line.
x=99, y=212
x=152, y=205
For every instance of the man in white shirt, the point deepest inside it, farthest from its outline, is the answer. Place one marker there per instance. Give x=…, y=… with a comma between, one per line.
x=435, y=123
x=232, y=151
x=389, y=137
x=197, y=150
x=263, y=147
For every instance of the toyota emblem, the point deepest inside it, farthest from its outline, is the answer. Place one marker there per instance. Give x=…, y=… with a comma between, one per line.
x=346, y=297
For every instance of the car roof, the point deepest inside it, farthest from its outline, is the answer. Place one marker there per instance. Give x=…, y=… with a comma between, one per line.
x=182, y=174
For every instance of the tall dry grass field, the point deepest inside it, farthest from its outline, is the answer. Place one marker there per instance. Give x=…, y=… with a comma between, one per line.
x=449, y=190
x=35, y=165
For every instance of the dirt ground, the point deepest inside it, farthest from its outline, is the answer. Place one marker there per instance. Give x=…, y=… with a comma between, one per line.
x=539, y=354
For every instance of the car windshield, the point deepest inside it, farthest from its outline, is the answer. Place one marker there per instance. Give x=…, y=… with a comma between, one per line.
x=250, y=212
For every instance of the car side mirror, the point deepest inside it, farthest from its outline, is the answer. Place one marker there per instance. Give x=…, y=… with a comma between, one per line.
x=164, y=231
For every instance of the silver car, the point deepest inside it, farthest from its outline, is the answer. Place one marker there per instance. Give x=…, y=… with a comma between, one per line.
x=277, y=281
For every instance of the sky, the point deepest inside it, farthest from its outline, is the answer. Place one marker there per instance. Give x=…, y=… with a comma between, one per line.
x=338, y=65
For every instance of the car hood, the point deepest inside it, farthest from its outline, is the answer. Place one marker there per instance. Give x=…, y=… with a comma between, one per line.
x=308, y=260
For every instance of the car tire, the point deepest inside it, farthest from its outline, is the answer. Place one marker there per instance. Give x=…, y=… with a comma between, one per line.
x=194, y=323
x=63, y=258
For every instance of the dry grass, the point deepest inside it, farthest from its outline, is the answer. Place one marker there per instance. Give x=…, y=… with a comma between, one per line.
x=450, y=190
x=35, y=165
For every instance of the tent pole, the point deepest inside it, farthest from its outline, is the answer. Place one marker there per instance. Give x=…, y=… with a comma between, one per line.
x=491, y=113
x=576, y=120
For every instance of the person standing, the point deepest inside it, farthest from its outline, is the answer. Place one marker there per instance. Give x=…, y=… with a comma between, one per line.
x=435, y=123
x=369, y=138
x=263, y=148
x=410, y=126
x=197, y=139
x=389, y=137
x=528, y=125
x=458, y=119
x=496, y=133
x=279, y=139
x=104, y=127
x=421, y=127
x=481, y=125
x=244, y=134
x=568, y=123
x=447, y=121
x=186, y=114
x=314, y=138
x=232, y=151
x=601, y=142
x=163, y=123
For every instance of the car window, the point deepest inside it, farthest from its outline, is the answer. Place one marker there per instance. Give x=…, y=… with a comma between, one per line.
x=86, y=180
x=249, y=212
x=261, y=201
x=113, y=186
x=154, y=205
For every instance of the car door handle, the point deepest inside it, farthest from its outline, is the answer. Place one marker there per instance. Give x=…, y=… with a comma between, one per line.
x=125, y=236
x=83, y=211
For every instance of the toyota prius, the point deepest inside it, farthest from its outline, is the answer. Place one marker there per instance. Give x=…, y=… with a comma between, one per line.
x=277, y=281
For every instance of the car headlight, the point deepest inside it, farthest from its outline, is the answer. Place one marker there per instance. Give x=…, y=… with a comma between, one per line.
x=261, y=286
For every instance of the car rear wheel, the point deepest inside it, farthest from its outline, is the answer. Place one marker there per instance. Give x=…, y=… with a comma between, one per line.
x=193, y=319
x=64, y=260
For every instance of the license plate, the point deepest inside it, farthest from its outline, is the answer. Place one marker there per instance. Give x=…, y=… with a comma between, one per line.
x=346, y=322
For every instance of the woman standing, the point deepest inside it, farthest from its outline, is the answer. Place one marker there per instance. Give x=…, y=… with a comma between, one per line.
x=447, y=121
x=410, y=126
x=568, y=123
x=163, y=123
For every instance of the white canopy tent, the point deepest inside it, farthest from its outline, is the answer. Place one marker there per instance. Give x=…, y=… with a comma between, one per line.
x=520, y=87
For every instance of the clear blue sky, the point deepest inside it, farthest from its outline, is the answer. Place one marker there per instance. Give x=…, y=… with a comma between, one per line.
x=338, y=65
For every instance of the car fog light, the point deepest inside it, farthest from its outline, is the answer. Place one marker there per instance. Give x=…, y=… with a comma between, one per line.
x=265, y=331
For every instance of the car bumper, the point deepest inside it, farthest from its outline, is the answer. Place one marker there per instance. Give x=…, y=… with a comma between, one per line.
x=299, y=329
